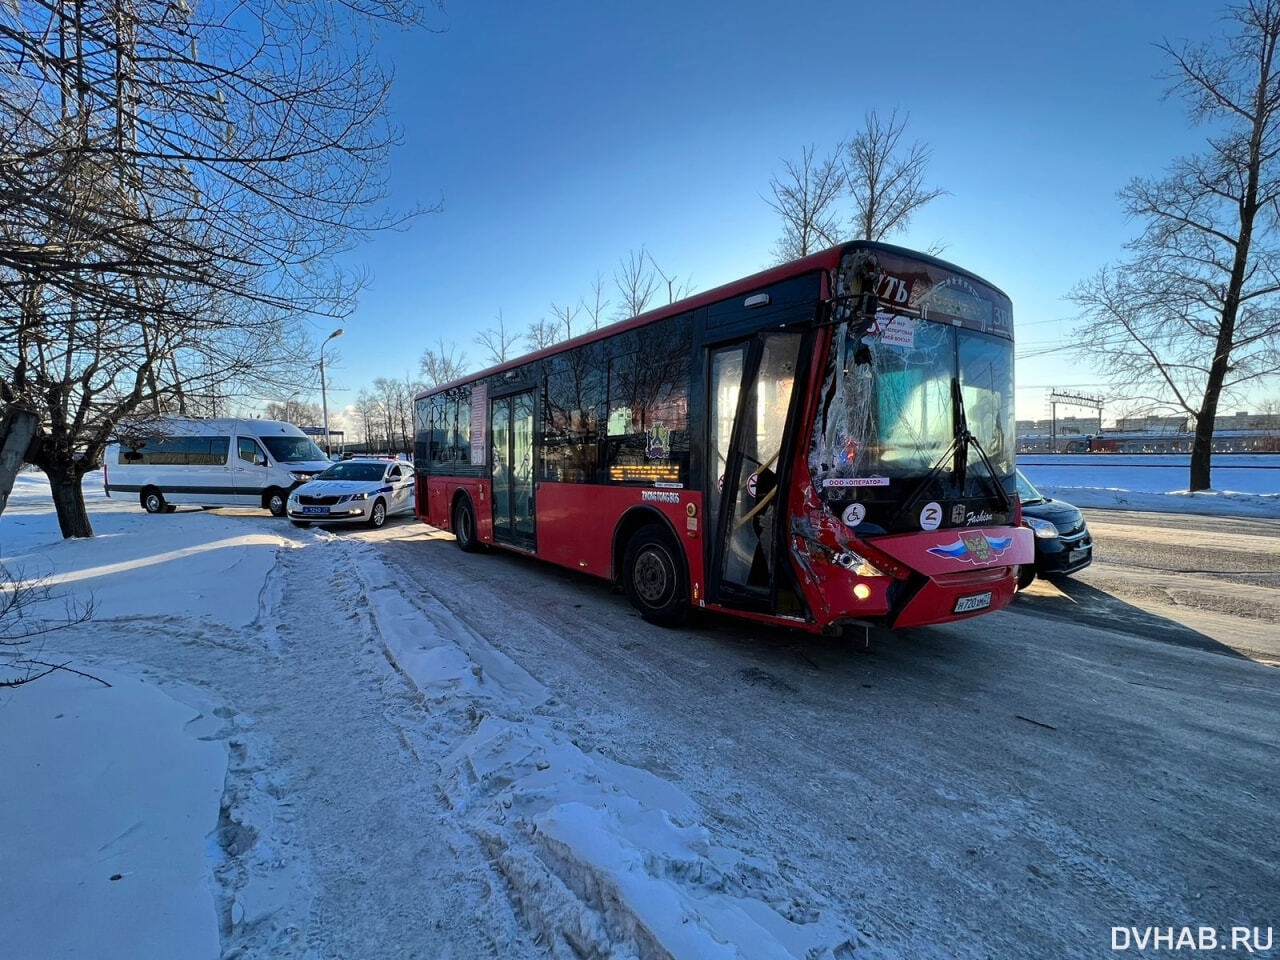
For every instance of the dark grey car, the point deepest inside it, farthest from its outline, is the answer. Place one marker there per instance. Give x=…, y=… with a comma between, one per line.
x=1063, y=542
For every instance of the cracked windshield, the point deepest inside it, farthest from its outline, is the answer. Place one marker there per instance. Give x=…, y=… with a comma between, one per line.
x=889, y=413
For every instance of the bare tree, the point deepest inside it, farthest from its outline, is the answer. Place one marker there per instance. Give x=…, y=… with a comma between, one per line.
x=806, y=196
x=391, y=403
x=369, y=411
x=498, y=341
x=442, y=363
x=885, y=177
x=293, y=411
x=566, y=317
x=17, y=430
x=636, y=283
x=1194, y=314
x=176, y=189
x=597, y=303
x=677, y=289
x=542, y=334
x=28, y=612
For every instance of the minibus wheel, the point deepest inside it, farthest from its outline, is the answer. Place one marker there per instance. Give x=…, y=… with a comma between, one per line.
x=654, y=578
x=152, y=501
x=275, y=501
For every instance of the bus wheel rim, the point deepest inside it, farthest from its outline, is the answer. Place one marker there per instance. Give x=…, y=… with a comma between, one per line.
x=653, y=577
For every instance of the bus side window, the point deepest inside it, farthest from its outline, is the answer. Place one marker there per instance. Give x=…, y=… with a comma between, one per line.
x=572, y=397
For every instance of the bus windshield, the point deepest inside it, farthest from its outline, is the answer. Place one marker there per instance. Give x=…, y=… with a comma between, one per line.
x=890, y=417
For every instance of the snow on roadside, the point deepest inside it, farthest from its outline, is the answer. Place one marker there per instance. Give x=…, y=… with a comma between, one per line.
x=602, y=859
x=127, y=781
x=110, y=793
x=1218, y=503
x=1157, y=483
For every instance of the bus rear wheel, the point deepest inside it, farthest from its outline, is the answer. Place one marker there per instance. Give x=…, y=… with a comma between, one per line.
x=654, y=578
x=153, y=501
x=464, y=526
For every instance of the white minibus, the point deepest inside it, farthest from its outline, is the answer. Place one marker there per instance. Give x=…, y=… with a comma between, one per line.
x=210, y=463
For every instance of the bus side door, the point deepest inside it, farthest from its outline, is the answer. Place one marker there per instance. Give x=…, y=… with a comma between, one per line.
x=751, y=387
x=511, y=459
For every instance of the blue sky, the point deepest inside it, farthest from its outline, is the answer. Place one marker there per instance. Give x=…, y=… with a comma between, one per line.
x=561, y=135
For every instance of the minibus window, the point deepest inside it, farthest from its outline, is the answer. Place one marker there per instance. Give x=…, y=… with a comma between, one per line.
x=249, y=451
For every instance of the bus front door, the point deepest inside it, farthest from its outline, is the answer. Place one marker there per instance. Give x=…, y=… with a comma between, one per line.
x=511, y=457
x=751, y=386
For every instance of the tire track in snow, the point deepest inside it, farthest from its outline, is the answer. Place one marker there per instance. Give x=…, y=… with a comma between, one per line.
x=601, y=859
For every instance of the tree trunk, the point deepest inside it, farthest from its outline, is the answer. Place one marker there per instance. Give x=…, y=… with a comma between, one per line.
x=1202, y=446
x=68, y=500
x=17, y=430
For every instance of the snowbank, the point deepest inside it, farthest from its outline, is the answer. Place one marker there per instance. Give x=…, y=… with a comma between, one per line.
x=1249, y=483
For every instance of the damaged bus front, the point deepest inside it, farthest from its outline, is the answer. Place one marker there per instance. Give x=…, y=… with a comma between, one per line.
x=911, y=514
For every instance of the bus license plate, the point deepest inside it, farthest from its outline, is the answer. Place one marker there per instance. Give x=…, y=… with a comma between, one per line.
x=979, y=601
x=315, y=510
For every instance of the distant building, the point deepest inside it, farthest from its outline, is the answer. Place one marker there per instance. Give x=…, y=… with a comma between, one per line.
x=1243, y=420
x=1153, y=424
x=1081, y=426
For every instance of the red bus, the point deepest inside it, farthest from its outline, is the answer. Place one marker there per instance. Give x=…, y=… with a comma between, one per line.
x=830, y=441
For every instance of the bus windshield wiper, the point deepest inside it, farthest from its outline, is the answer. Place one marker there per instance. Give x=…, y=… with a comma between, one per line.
x=963, y=438
x=923, y=485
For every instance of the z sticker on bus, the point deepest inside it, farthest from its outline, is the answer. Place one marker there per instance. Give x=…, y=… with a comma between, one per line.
x=931, y=516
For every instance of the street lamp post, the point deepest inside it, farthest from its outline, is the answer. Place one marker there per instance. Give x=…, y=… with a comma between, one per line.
x=324, y=399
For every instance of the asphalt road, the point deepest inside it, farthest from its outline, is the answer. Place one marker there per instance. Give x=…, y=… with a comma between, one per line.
x=1212, y=582
x=1104, y=753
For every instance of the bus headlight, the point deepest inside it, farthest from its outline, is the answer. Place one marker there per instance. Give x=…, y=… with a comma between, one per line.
x=858, y=564
x=1043, y=528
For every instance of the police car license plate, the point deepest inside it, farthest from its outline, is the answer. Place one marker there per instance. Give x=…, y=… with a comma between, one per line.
x=316, y=510
x=979, y=601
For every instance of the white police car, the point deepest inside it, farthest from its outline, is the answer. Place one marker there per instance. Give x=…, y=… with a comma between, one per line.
x=354, y=491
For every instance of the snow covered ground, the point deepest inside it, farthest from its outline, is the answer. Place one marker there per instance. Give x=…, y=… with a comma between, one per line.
x=1244, y=485
x=184, y=843
x=152, y=818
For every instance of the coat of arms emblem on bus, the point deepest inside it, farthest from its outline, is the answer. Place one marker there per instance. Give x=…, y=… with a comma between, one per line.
x=975, y=547
x=658, y=442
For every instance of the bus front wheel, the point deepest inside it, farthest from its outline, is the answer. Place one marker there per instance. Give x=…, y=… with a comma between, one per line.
x=1026, y=575
x=464, y=526
x=654, y=578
